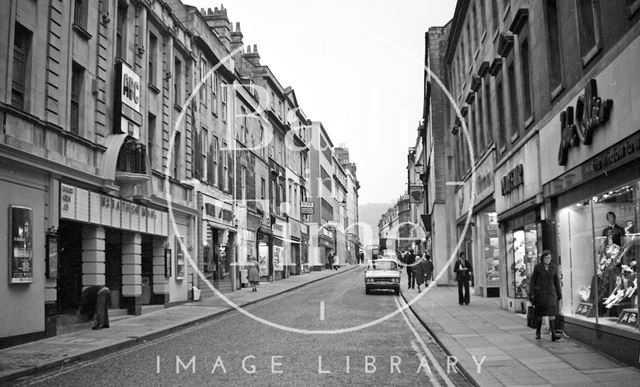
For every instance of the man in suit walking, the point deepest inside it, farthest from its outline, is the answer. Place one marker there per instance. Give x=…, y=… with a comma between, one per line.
x=463, y=271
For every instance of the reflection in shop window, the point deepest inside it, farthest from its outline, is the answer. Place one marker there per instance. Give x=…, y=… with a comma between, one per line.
x=522, y=253
x=600, y=245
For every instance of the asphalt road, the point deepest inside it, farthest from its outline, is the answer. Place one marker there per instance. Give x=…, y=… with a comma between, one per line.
x=238, y=350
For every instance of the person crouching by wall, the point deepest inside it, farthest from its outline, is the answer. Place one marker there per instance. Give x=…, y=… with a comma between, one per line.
x=95, y=301
x=545, y=292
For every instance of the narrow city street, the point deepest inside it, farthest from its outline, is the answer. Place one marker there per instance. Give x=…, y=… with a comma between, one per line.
x=236, y=350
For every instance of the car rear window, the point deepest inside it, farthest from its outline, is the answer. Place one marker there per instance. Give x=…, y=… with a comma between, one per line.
x=383, y=265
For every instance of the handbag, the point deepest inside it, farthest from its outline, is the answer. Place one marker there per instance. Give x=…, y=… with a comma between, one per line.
x=531, y=317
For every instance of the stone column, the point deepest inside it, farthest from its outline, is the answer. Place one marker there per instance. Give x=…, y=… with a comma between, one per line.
x=160, y=282
x=131, y=270
x=93, y=256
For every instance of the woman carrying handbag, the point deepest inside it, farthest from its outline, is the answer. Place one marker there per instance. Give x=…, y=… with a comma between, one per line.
x=545, y=292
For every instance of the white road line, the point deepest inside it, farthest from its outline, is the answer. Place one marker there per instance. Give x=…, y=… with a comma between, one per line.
x=426, y=350
x=321, y=310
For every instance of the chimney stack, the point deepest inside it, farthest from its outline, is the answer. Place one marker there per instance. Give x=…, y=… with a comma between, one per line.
x=236, y=38
x=219, y=22
x=252, y=57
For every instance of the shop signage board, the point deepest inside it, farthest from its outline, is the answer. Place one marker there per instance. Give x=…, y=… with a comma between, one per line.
x=520, y=171
x=217, y=211
x=294, y=228
x=20, y=245
x=95, y=208
x=306, y=208
x=591, y=112
x=629, y=317
x=484, y=179
x=278, y=257
x=512, y=180
x=279, y=228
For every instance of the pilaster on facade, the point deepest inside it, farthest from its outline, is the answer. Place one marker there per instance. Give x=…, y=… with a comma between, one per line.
x=132, y=265
x=93, y=256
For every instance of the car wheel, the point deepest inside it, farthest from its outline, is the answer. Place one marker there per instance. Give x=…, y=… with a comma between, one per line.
x=367, y=290
x=396, y=291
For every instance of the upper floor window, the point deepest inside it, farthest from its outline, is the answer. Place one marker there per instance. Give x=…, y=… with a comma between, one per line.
x=177, y=161
x=177, y=82
x=588, y=29
x=553, y=46
x=501, y=118
x=151, y=137
x=153, y=59
x=223, y=100
x=21, y=64
x=121, y=33
x=77, y=81
x=80, y=13
x=214, y=94
x=495, y=15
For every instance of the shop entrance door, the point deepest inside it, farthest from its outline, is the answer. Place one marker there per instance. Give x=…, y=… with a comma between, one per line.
x=69, y=267
x=113, y=265
x=147, y=270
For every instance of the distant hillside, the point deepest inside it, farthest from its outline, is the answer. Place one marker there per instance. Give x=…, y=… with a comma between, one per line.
x=370, y=214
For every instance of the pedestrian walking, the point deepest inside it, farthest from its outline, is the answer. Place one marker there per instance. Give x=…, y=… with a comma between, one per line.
x=95, y=302
x=254, y=274
x=463, y=271
x=428, y=270
x=419, y=271
x=330, y=261
x=545, y=292
x=336, y=262
x=409, y=260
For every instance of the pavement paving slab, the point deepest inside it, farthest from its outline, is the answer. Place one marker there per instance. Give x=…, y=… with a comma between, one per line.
x=513, y=355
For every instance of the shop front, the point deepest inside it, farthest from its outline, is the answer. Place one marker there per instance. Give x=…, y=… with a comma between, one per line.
x=518, y=198
x=264, y=239
x=103, y=240
x=280, y=250
x=481, y=241
x=219, y=237
x=592, y=195
x=295, y=227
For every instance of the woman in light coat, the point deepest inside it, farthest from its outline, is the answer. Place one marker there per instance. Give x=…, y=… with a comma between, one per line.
x=254, y=274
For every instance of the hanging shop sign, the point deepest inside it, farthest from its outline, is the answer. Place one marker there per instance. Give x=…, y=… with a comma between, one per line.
x=512, y=180
x=95, y=208
x=127, y=101
x=20, y=245
x=306, y=208
x=279, y=228
x=217, y=211
x=591, y=112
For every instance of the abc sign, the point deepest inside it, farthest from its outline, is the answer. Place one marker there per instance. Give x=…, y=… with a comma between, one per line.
x=130, y=88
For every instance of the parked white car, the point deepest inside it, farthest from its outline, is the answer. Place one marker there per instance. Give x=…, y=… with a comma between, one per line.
x=383, y=273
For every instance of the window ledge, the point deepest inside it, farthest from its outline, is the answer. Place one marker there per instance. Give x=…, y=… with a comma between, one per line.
x=496, y=34
x=154, y=88
x=81, y=31
x=528, y=122
x=590, y=55
x=177, y=107
x=557, y=91
x=484, y=35
x=514, y=137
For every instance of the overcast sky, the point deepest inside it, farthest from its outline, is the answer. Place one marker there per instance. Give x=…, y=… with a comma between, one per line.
x=356, y=65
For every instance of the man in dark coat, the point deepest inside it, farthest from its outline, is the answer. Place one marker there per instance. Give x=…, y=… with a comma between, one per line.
x=410, y=260
x=545, y=292
x=96, y=300
x=463, y=271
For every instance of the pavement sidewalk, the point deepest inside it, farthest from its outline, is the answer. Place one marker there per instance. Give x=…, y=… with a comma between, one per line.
x=36, y=356
x=513, y=355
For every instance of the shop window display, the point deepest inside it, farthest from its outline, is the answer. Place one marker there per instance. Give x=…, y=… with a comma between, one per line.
x=522, y=252
x=599, y=245
x=490, y=249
